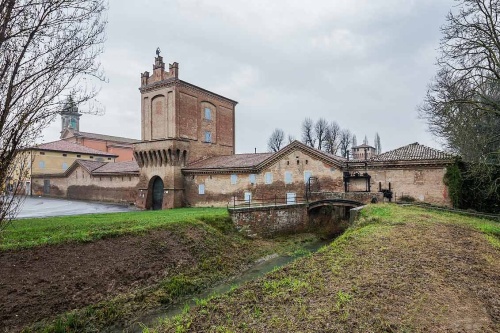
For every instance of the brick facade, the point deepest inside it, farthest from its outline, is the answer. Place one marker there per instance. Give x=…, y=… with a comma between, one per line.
x=180, y=123
x=81, y=185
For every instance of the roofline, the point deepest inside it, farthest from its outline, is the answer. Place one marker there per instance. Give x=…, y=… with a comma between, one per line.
x=71, y=151
x=175, y=81
x=78, y=134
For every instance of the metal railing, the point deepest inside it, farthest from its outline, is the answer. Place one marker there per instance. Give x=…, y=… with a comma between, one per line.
x=265, y=201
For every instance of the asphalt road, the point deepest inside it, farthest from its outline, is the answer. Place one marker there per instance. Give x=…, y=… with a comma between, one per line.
x=41, y=207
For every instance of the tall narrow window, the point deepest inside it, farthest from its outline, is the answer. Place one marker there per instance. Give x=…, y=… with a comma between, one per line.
x=208, y=114
x=307, y=175
x=253, y=179
x=269, y=177
x=234, y=179
x=208, y=136
x=201, y=189
x=288, y=177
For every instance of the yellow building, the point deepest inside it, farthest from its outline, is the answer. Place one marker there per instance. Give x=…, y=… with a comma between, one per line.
x=49, y=159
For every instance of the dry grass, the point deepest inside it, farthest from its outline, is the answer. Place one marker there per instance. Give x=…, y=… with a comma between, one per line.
x=400, y=269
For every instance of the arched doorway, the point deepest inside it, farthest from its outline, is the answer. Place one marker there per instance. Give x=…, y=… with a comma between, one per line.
x=157, y=193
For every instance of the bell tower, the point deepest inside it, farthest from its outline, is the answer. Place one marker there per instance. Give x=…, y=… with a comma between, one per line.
x=70, y=117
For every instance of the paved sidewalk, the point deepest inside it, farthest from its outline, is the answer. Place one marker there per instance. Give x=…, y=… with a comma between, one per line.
x=41, y=207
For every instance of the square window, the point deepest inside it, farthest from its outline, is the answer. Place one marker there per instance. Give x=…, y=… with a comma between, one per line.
x=78, y=155
x=201, y=189
x=269, y=178
x=234, y=179
x=288, y=177
x=252, y=178
x=42, y=153
x=208, y=114
x=208, y=136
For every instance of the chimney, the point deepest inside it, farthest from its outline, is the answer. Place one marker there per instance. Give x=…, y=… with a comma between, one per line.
x=174, y=70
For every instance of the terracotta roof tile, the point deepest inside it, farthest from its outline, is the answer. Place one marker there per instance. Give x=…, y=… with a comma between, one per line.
x=90, y=165
x=411, y=152
x=106, y=137
x=118, y=167
x=230, y=161
x=65, y=146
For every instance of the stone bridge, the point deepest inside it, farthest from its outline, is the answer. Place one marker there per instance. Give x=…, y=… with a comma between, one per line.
x=324, y=212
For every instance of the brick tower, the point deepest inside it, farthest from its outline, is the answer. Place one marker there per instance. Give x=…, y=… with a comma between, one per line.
x=180, y=123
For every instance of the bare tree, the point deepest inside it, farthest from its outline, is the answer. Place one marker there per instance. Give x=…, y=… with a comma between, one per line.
x=332, y=138
x=345, y=142
x=378, y=145
x=276, y=140
x=308, y=133
x=291, y=138
x=365, y=140
x=48, y=50
x=463, y=97
x=320, y=130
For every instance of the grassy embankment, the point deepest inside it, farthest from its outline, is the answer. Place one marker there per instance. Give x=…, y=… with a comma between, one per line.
x=216, y=250
x=399, y=269
x=32, y=232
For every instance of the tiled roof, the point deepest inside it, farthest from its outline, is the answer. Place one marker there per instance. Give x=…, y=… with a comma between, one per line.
x=90, y=165
x=97, y=136
x=118, y=167
x=230, y=161
x=411, y=152
x=364, y=145
x=65, y=146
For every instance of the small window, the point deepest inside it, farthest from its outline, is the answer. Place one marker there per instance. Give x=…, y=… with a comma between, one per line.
x=41, y=164
x=208, y=114
x=78, y=155
x=298, y=162
x=288, y=177
x=208, y=136
x=201, y=189
x=109, y=158
x=307, y=175
x=253, y=179
x=91, y=156
x=42, y=153
x=248, y=197
x=291, y=198
x=234, y=179
x=65, y=155
x=269, y=178
x=65, y=166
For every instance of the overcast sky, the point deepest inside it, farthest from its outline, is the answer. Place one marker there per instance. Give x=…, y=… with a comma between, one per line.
x=362, y=63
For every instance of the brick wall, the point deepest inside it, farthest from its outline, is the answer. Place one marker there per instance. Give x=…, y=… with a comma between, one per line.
x=81, y=185
x=219, y=190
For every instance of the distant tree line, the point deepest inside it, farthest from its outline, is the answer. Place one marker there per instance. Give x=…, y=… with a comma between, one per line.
x=323, y=135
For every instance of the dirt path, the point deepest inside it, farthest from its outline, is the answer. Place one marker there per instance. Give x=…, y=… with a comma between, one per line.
x=38, y=283
x=413, y=277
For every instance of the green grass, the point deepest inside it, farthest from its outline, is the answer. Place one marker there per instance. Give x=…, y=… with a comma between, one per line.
x=390, y=272
x=393, y=214
x=83, y=228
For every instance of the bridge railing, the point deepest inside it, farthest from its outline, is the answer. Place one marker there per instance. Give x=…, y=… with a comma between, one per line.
x=265, y=201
